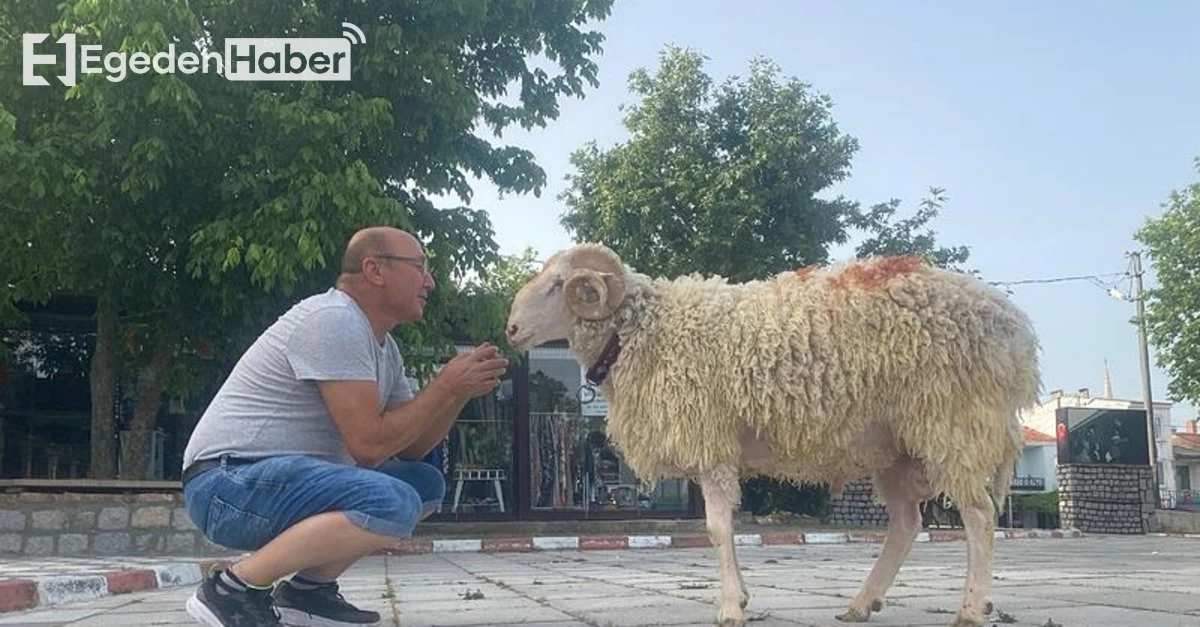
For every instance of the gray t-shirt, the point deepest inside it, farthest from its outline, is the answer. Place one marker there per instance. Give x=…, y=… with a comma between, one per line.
x=270, y=404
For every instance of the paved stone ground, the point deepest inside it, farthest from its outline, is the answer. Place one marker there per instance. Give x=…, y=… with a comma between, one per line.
x=1088, y=582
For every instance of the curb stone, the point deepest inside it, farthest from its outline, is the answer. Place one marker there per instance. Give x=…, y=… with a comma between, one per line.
x=643, y=542
x=40, y=592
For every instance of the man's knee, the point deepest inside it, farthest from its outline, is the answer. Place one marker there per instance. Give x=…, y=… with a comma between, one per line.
x=433, y=488
x=425, y=478
x=392, y=509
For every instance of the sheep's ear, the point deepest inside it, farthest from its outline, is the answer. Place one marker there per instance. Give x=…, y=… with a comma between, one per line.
x=594, y=295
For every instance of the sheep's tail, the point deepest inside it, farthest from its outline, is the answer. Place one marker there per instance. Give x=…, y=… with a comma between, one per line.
x=1001, y=479
x=1001, y=484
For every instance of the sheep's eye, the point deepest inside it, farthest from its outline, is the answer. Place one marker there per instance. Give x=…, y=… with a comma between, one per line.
x=556, y=284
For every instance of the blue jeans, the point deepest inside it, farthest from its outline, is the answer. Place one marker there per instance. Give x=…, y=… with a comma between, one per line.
x=245, y=506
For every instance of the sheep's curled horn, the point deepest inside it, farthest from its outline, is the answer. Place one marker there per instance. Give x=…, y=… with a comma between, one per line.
x=596, y=286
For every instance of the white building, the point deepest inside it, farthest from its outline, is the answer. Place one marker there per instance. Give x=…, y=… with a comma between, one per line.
x=1043, y=419
x=1037, y=470
x=1186, y=445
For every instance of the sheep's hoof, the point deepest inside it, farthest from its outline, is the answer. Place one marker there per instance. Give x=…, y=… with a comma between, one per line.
x=854, y=615
x=988, y=608
x=877, y=605
x=963, y=621
x=744, y=600
x=731, y=618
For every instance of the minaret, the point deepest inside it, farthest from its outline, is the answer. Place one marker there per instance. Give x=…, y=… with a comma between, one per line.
x=1107, y=380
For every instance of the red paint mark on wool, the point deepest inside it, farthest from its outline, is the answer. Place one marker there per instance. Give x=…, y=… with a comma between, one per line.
x=873, y=274
x=806, y=272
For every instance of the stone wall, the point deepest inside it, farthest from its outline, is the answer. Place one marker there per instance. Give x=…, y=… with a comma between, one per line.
x=74, y=524
x=856, y=507
x=1106, y=498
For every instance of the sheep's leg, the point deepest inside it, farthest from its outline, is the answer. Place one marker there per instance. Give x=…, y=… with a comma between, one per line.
x=722, y=495
x=979, y=520
x=904, y=487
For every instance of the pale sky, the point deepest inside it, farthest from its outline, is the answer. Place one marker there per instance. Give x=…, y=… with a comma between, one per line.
x=1055, y=128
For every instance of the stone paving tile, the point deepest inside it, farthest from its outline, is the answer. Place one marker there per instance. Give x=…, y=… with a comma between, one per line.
x=174, y=617
x=502, y=616
x=1145, y=600
x=57, y=616
x=665, y=612
x=1086, y=582
x=1096, y=617
x=772, y=600
x=1006, y=601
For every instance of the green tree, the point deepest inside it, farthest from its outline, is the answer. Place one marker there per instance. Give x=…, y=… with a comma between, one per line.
x=193, y=208
x=726, y=180
x=1172, y=313
x=715, y=180
x=910, y=236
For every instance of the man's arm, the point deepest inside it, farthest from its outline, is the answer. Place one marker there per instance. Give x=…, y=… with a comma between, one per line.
x=412, y=428
x=437, y=426
x=330, y=348
x=408, y=429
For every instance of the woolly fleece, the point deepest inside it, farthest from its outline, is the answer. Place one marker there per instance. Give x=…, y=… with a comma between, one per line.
x=840, y=372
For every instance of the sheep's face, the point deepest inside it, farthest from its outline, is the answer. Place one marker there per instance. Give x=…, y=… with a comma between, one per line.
x=586, y=282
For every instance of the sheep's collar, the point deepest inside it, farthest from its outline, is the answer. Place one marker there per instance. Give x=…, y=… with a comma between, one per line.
x=599, y=370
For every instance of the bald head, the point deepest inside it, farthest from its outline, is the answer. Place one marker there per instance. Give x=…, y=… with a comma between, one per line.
x=377, y=240
x=385, y=271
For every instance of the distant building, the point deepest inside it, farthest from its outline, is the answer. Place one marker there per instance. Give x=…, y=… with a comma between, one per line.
x=1187, y=465
x=1037, y=470
x=1043, y=419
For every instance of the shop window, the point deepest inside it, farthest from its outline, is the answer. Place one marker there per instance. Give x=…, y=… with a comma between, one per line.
x=573, y=465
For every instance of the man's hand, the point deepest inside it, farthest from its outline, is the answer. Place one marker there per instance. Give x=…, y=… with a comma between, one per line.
x=474, y=374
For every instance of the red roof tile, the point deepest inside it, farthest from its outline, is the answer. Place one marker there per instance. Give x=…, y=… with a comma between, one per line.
x=1186, y=440
x=1033, y=436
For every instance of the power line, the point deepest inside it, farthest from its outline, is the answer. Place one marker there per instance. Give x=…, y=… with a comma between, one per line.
x=1096, y=278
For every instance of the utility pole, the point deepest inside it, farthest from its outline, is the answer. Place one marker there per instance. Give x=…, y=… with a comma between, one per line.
x=1147, y=398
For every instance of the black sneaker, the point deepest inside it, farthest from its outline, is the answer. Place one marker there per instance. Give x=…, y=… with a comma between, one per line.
x=217, y=605
x=322, y=606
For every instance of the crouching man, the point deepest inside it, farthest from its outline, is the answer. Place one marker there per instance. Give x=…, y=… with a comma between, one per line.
x=308, y=456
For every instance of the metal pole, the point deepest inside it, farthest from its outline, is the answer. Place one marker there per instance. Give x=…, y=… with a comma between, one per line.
x=1147, y=398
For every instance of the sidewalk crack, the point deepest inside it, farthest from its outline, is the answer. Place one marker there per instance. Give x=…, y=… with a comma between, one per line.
x=390, y=591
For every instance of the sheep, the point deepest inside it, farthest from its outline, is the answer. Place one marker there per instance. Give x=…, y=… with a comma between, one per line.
x=884, y=367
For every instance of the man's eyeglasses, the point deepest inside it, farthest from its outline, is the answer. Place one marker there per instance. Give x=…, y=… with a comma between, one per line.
x=419, y=262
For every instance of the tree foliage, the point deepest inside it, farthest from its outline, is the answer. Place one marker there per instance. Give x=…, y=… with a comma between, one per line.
x=718, y=180
x=729, y=180
x=194, y=208
x=909, y=236
x=1172, y=314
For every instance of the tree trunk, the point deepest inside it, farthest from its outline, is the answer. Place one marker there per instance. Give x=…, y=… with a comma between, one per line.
x=137, y=452
x=102, y=376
